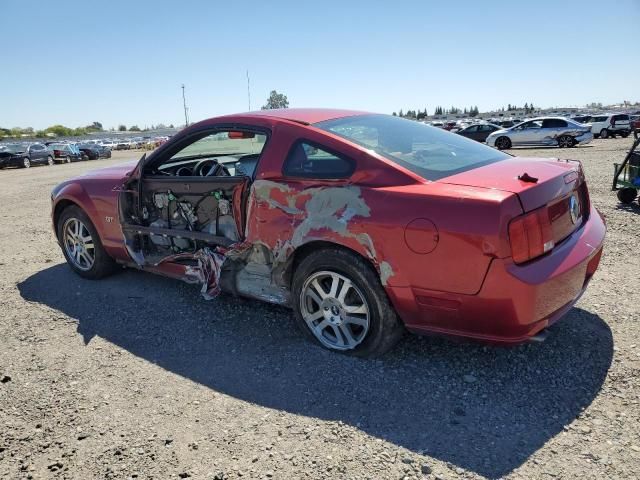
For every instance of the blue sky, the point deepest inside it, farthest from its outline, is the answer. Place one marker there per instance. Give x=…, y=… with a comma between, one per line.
x=75, y=62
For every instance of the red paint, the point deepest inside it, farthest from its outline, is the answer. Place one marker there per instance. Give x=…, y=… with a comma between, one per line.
x=447, y=241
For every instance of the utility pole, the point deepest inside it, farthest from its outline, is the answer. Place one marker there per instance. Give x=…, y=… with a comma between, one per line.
x=184, y=103
x=248, y=90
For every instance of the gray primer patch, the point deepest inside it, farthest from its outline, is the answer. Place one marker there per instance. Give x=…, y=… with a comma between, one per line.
x=386, y=272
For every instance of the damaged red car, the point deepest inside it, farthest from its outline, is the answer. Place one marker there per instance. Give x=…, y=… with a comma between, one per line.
x=364, y=224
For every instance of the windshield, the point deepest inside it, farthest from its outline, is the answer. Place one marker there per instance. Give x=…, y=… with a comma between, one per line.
x=15, y=148
x=430, y=152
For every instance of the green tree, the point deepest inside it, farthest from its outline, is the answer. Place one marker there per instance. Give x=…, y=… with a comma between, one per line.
x=122, y=128
x=394, y=114
x=276, y=100
x=134, y=128
x=95, y=126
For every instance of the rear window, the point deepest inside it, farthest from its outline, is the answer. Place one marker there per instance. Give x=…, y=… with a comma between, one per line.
x=620, y=117
x=429, y=152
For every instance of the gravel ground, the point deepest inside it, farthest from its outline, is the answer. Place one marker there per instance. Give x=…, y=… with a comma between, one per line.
x=136, y=376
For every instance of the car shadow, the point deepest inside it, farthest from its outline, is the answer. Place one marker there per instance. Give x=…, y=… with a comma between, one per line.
x=484, y=409
x=629, y=207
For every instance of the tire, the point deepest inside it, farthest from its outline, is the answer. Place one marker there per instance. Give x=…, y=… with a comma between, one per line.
x=627, y=195
x=377, y=328
x=26, y=163
x=101, y=264
x=67, y=159
x=566, y=141
x=503, y=143
x=624, y=134
x=50, y=160
x=604, y=133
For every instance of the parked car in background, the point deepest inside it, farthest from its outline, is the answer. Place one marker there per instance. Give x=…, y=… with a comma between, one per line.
x=634, y=120
x=24, y=155
x=92, y=151
x=478, y=132
x=543, y=131
x=122, y=144
x=581, y=118
x=353, y=220
x=610, y=125
x=110, y=144
x=65, y=152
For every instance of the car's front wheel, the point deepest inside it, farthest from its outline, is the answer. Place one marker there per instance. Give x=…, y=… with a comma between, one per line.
x=604, y=133
x=50, y=160
x=503, y=143
x=81, y=245
x=339, y=301
x=26, y=163
x=565, y=141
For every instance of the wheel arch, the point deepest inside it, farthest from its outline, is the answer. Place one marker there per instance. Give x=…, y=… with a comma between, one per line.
x=74, y=195
x=307, y=248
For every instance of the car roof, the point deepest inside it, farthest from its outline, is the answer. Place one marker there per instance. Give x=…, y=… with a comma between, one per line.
x=302, y=115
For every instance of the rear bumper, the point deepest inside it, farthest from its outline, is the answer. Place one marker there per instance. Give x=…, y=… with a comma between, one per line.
x=584, y=138
x=515, y=302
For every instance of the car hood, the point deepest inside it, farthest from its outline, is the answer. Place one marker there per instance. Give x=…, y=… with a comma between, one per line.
x=115, y=172
x=10, y=154
x=554, y=178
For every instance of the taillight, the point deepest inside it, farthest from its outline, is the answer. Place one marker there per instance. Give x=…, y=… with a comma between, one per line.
x=57, y=153
x=531, y=235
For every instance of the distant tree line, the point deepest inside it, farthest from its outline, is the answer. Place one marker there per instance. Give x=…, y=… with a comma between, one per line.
x=470, y=111
x=62, y=131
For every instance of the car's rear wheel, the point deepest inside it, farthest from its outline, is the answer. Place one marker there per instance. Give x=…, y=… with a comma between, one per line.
x=339, y=301
x=627, y=195
x=624, y=134
x=502, y=143
x=604, y=133
x=49, y=160
x=565, y=141
x=26, y=163
x=81, y=245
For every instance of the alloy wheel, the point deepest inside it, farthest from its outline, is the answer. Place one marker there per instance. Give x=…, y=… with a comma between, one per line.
x=78, y=244
x=26, y=163
x=335, y=310
x=565, y=141
x=49, y=161
x=503, y=143
x=68, y=159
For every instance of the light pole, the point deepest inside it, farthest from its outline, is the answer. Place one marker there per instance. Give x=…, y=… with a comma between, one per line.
x=184, y=103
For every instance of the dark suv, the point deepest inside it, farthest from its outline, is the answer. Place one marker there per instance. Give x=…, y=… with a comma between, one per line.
x=24, y=155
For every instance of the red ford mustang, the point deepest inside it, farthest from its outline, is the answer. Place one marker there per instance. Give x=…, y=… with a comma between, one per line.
x=364, y=224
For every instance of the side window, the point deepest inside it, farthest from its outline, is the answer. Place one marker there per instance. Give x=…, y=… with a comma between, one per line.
x=554, y=123
x=532, y=125
x=306, y=160
x=472, y=129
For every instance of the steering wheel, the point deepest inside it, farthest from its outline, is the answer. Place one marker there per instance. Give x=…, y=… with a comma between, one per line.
x=209, y=167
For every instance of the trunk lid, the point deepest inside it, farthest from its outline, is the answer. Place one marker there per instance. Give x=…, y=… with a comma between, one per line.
x=555, y=178
x=560, y=187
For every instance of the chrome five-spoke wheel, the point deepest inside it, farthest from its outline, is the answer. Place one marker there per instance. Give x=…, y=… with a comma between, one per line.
x=335, y=310
x=78, y=244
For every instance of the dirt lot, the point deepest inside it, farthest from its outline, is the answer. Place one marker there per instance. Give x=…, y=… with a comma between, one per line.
x=137, y=376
